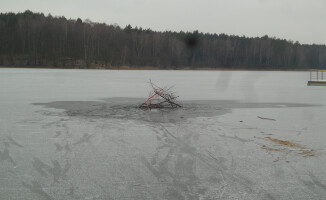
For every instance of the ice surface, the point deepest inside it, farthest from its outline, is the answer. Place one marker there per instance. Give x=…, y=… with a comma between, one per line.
x=78, y=134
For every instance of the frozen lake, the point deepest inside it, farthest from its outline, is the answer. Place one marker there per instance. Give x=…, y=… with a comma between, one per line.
x=78, y=134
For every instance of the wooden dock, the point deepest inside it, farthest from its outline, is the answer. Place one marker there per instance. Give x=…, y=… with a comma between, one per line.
x=317, y=78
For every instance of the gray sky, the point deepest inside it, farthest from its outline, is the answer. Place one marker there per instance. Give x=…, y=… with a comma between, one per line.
x=297, y=20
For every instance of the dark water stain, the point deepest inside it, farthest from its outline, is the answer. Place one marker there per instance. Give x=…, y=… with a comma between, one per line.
x=58, y=133
x=150, y=168
x=127, y=108
x=13, y=142
x=235, y=138
x=84, y=139
x=175, y=164
x=5, y=156
x=36, y=187
x=56, y=171
x=177, y=161
x=40, y=167
x=67, y=148
x=58, y=147
x=71, y=191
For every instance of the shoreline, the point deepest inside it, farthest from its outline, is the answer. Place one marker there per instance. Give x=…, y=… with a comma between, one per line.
x=147, y=68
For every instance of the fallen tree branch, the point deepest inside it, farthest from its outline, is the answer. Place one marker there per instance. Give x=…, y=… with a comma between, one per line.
x=266, y=118
x=161, y=98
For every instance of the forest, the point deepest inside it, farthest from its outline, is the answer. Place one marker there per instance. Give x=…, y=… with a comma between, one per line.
x=31, y=39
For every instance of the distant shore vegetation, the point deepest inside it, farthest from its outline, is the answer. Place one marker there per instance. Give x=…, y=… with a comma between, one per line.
x=31, y=39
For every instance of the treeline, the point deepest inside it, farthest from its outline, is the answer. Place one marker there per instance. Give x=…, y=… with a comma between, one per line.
x=33, y=39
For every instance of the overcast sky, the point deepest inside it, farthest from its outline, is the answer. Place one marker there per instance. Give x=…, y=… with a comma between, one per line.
x=297, y=20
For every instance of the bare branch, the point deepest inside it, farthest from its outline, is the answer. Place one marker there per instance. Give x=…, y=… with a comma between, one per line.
x=161, y=97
